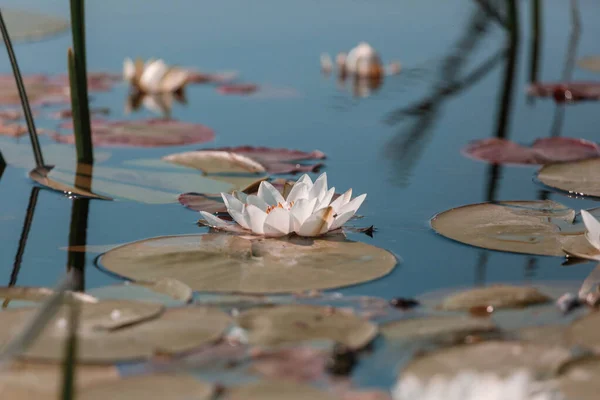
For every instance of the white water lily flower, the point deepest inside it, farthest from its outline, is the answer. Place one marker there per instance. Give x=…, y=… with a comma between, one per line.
x=593, y=229
x=307, y=210
x=154, y=76
x=362, y=61
x=469, y=385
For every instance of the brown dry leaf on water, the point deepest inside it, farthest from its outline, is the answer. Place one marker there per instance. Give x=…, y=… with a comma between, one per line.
x=234, y=264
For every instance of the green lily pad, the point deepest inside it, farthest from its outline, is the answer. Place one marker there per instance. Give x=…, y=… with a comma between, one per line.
x=497, y=357
x=277, y=390
x=112, y=331
x=440, y=328
x=578, y=177
x=31, y=25
x=531, y=227
x=229, y=263
x=269, y=326
x=497, y=296
x=579, y=381
x=150, y=387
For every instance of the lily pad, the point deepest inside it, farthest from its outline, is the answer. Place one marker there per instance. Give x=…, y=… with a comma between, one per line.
x=270, y=326
x=31, y=294
x=496, y=296
x=112, y=331
x=41, y=90
x=497, y=357
x=439, y=328
x=566, y=92
x=248, y=159
x=171, y=287
x=229, y=263
x=542, y=151
x=578, y=177
x=150, y=387
x=584, y=332
x=531, y=227
x=580, y=380
x=25, y=380
x=298, y=364
x=237, y=88
x=130, y=291
x=591, y=63
x=31, y=25
x=142, y=133
x=277, y=390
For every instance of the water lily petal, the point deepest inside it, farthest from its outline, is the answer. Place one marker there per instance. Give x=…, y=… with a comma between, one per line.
x=353, y=205
x=318, y=223
x=299, y=191
x=128, y=69
x=278, y=223
x=319, y=187
x=174, y=79
x=241, y=196
x=241, y=217
x=301, y=210
x=213, y=221
x=341, y=201
x=269, y=194
x=593, y=228
x=257, y=218
x=232, y=203
x=257, y=201
x=305, y=179
x=324, y=202
x=341, y=219
x=152, y=76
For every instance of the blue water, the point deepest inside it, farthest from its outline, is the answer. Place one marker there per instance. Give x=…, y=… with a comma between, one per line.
x=278, y=44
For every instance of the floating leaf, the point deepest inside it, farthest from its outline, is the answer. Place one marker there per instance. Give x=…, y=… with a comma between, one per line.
x=584, y=332
x=121, y=330
x=142, y=133
x=237, y=88
x=277, y=390
x=195, y=76
x=591, y=63
x=98, y=248
x=150, y=387
x=501, y=358
x=31, y=25
x=299, y=364
x=131, y=291
x=580, y=379
x=38, y=294
x=496, y=296
x=439, y=328
x=532, y=227
x=270, y=326
x=40, y=175
x=171, y=287
x=578, y=177
x=548, y=335
x=68, y=113
x=41, y=90
x=26, y=380
x=566, y=91
x=542, y=151
x=247, y=159
x=228, y=263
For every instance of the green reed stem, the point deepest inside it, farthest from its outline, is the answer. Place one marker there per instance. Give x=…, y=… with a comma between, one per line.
x=70, y=360
x=35, y=144
x=78, y=85
x=536, y=22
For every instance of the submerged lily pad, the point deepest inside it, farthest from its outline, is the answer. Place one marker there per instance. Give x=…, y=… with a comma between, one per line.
x=496, y=296
x=531, y=227
x=31, y=25
x=228, y=263
x=142, y=133
x=113, y=331
x=26, y=380
x=542, y=151
x=269, y=326
x=150, y=387
x=277, y=390
x=591, y=63
x=501, y=358
x=248, y=159
x=439, y=328
x=578, y=177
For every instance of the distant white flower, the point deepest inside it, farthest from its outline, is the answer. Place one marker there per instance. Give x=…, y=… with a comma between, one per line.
x=154, y=76
x=308, y=209
x=469, y=385
x=362, y=61
x=593, y=228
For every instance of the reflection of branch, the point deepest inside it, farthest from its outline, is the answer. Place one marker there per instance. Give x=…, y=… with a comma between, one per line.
x=2, y=164
x=24, y=235
x=78, y=237
x=492, y=12
x=536, y=28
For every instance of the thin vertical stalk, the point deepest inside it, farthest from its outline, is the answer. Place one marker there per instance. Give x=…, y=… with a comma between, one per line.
x=35, y=144
x=78, y=237
x=70, y=360
x=33, y=197
x=78, y=83
x=2, y=164
x=536, y=31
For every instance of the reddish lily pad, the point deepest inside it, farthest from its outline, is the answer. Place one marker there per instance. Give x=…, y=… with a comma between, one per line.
x=68, y=113
x=237, y=88
x=248, y=159
x=143, y=133
x=203, y=77
x=41, y=90
x=566, y=92
x=542, y=151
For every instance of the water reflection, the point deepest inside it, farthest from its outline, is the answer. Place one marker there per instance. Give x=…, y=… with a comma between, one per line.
x=160, y=103
x=33, y=197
